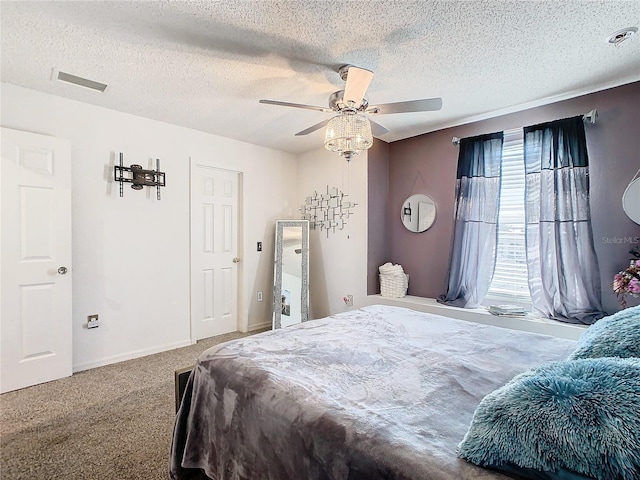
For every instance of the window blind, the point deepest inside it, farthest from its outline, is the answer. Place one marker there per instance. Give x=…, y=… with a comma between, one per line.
x=510, y=282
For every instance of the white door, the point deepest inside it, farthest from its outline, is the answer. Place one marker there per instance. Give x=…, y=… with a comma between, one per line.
x=35, y=258
x=214, y=249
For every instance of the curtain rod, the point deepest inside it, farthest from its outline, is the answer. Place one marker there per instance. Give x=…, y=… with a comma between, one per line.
x=589, y=116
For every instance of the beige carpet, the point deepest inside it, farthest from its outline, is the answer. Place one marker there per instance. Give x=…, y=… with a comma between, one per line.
x=108, y=423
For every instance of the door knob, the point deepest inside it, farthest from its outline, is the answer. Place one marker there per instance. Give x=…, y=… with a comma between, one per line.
x=236, y=260
x=62, y=270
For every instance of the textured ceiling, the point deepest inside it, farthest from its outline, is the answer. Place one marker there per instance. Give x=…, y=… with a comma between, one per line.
x=205, y=65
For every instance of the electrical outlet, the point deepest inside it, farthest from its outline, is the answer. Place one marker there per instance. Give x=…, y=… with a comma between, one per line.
x=348, y=300
x=259, y=296
x=92, y=321
x=259, y=246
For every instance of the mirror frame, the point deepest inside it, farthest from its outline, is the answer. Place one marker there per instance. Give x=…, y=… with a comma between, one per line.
x=277, y=271
x=631, y=200
x=413, y=198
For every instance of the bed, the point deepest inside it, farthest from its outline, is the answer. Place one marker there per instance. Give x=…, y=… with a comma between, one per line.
x=375, y=393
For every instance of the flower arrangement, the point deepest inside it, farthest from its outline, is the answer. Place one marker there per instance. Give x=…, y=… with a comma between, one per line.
x=627, y=281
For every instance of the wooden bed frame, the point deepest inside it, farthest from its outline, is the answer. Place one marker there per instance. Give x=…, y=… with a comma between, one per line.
x=181, y=376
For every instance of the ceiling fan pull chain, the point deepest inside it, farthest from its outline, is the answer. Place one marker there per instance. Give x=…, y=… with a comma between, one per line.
x=348, y=193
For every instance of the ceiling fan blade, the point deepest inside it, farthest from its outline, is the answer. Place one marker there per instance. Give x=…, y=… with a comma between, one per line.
x=313, y=128
x=425, y=105
x=377, y=130
x=358, y=80
x=297, y=105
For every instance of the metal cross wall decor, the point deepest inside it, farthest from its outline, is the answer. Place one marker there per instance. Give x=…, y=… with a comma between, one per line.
x=329, y=211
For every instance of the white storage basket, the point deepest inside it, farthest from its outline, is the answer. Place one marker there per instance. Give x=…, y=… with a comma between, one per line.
x=394, y=286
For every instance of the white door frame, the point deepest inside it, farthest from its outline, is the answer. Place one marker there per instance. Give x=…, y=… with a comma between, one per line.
x=240, y=320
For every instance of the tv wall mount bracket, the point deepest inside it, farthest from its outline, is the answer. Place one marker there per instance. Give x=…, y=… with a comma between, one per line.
x=138, y=177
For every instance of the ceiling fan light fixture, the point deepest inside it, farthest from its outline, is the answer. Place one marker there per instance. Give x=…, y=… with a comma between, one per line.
x=348, y=134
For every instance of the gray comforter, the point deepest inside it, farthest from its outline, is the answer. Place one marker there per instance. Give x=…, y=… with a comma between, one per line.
x=375, y=393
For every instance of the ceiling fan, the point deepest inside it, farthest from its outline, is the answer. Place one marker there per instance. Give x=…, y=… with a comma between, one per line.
x=350, y=131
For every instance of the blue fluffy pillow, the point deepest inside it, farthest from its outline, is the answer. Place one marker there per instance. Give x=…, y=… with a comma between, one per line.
x=615, y=336
x=578, y=416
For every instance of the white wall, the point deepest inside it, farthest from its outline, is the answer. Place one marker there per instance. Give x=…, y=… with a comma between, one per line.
x=338, y=263
x=131, y=254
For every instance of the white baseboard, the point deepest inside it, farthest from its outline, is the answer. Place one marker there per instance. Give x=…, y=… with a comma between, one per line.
x=259, y=326
x=129, y=356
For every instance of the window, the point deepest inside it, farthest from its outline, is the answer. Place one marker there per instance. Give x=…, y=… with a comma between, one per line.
x=510, y=284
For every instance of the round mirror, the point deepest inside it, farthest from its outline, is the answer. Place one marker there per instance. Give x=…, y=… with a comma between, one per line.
x=631, y=201
x=418, y=212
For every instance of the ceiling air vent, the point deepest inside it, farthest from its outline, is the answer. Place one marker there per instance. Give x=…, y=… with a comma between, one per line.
x=82, y=82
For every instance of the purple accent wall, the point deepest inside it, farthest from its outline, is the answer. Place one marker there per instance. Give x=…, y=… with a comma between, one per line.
x=614, y=153
x=378, y=249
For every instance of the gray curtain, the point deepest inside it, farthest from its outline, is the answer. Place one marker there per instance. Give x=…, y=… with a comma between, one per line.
x=564, y=277
x=473, y=256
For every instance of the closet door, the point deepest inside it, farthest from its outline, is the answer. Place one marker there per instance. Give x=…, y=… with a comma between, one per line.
x=35, y=259
x=214, y=250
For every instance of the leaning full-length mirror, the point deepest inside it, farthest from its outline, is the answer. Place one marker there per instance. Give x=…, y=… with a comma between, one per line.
x=291, y=273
